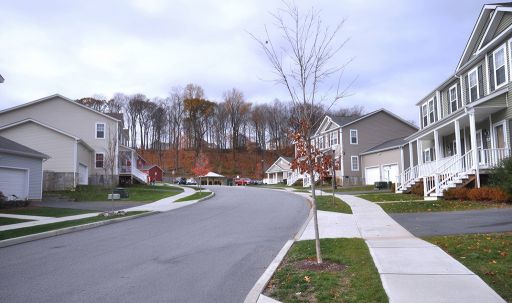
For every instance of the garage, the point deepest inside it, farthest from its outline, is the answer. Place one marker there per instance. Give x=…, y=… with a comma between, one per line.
x=372, y=175
x=13, y=181
x=390, y=172
x=21, y=170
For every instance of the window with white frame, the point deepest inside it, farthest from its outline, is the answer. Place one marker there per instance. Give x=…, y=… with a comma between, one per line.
x=473, y=85
x=354, y=163
x=100, y=130
x=500, y=73
x=334, y=138
x=431, y=111
x=427, y=155
x=452, y=95
x=353, y=136
x=321, y=143
x=99, y=160
x=425, y=114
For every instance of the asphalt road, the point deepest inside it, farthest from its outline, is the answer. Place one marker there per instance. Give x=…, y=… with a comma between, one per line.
x=456, y=222
x=213, y=251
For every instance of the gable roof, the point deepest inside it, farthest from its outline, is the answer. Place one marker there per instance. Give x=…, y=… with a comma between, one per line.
x=52, y=97
x=483, y=30
x=213, y=175
x=279, y=167
x=1, y=79
x=388, y=145
x=150, y=166
x=382, y=110
x=30, y=120
x=11, y=147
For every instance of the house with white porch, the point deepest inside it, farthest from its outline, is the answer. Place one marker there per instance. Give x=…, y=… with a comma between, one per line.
x=465, y=122
x=279, y=171
x=348, y=139
x=79, y=141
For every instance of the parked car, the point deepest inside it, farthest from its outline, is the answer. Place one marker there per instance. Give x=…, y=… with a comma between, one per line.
x=242, y=181
x=191, y=181
x=180, y=181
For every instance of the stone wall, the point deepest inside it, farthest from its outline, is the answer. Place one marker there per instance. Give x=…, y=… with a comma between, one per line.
x=57, y=181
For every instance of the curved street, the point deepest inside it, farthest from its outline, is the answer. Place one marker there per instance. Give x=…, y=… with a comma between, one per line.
x=212, y=251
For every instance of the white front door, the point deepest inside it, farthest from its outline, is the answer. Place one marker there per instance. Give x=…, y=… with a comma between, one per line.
x=83, y=174
x=371, y=175
x=14, y=181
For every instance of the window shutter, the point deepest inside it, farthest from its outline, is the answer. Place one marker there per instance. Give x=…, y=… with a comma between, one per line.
x=435, y=109
x=421, y=116
x=491, y=72
x=480, y=82
x=466, y=88
x=459, y=96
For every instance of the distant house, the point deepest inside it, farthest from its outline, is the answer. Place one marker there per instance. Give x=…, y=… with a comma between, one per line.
x=154, y=172
x=79, y=140
x=21, y=170
x=348, y=137
x=279, y=171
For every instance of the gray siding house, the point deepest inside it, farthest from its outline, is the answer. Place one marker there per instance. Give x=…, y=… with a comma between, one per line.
x=21, y=170
x=348, y=137
x=465, y=122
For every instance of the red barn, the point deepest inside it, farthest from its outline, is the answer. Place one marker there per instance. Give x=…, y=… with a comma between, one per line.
x=154, y=172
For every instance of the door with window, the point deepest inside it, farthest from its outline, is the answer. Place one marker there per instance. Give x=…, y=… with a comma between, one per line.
x=480, y=147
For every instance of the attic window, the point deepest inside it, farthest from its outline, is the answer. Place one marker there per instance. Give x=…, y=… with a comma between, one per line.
x=500, y=75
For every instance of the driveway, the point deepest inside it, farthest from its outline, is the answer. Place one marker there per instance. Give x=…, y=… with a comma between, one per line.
x=456, y=222
x=212, y=251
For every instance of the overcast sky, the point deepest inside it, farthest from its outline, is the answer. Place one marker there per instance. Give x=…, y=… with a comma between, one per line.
x=401, y=49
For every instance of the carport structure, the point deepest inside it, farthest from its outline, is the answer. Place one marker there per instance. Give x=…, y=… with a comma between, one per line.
x=212, y=178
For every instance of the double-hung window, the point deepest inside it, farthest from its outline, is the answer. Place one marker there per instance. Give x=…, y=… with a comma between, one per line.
x=500, y=73
x=425, y=115
x=354, y=163
x=99, y=160
x=353, y=136
x=473, y=85
x=431, y=114
x=100, y=130
x=334, y=138
x=452, y=93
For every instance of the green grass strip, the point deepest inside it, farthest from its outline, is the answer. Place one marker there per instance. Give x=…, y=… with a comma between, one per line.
x=19, y=232
x=383, y=197
x=358, y=282
x=440, y=205
x=194, y=196
x=45, y=211
x=8, y=221
x=325, y=203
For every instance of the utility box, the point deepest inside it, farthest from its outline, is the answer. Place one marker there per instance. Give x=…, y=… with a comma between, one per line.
x=116, y=197
x=123, y=193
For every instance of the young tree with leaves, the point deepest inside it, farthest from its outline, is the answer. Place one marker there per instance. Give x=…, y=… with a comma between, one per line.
x=304, y=60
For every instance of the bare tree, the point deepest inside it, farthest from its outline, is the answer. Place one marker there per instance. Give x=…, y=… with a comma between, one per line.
x=356, y=111
x=110, y=161
x=303, y=64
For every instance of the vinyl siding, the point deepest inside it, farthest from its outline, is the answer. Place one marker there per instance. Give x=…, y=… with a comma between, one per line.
x=73, y=119
x=59, y=147
x=505, y=22
x=84, y=156
x=34, y=166
x=372, y=131
x=381, y=158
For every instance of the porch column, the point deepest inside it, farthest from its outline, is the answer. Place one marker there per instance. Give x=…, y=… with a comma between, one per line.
x=411, y=157
x=268, y=177
x=437, y=147
x=457, y=138
x=472, y=130
x=420, y=155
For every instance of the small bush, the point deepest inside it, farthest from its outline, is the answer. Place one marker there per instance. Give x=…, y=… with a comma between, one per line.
x=493, y=194
x=502, y=176
x=456, y=194
x=417, y=189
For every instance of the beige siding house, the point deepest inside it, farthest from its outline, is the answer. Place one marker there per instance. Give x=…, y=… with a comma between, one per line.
x=383, y=162
x=77, y=138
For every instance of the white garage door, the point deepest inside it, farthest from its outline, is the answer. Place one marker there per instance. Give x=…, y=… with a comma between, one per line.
x=14, y=182
x=83, y=173
x=372, y=175
x=390, y=172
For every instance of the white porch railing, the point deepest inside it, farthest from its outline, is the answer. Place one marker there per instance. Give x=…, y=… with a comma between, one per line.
x=293, y=178
x=490, y=158
x=407, y=177
x=142, y=177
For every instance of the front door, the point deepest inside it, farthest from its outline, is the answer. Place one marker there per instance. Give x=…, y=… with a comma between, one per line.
x=479, y=146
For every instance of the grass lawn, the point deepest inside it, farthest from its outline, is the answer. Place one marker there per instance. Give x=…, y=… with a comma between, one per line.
x=138, y=193
x=339, y=206
x=8, y=221
x=383, y=197
x=350, y=275
x=301, y=190
x=340, y=189
x=194, y=196
x=19, y=232
x=487, y=255
x=45, y=211
x=440, y=205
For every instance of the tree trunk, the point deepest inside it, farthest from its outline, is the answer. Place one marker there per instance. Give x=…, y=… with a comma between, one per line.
x=315, y=216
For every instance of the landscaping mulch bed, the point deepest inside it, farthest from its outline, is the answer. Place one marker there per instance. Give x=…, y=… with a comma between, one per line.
x=312, y=265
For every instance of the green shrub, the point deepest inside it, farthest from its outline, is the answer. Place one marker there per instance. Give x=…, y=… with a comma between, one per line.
x=502, y=176
x=493, y=194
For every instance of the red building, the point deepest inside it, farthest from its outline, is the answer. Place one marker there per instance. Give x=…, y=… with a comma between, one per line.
x=154, y=172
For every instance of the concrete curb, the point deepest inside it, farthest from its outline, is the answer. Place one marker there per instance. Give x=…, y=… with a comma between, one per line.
x=255, y=292
x=57, y=232
x=262, y=282
x=212, y=194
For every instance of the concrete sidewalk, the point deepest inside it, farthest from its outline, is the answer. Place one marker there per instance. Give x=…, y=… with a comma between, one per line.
x=413, y=270
x=48, y=220
x=167, y=204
